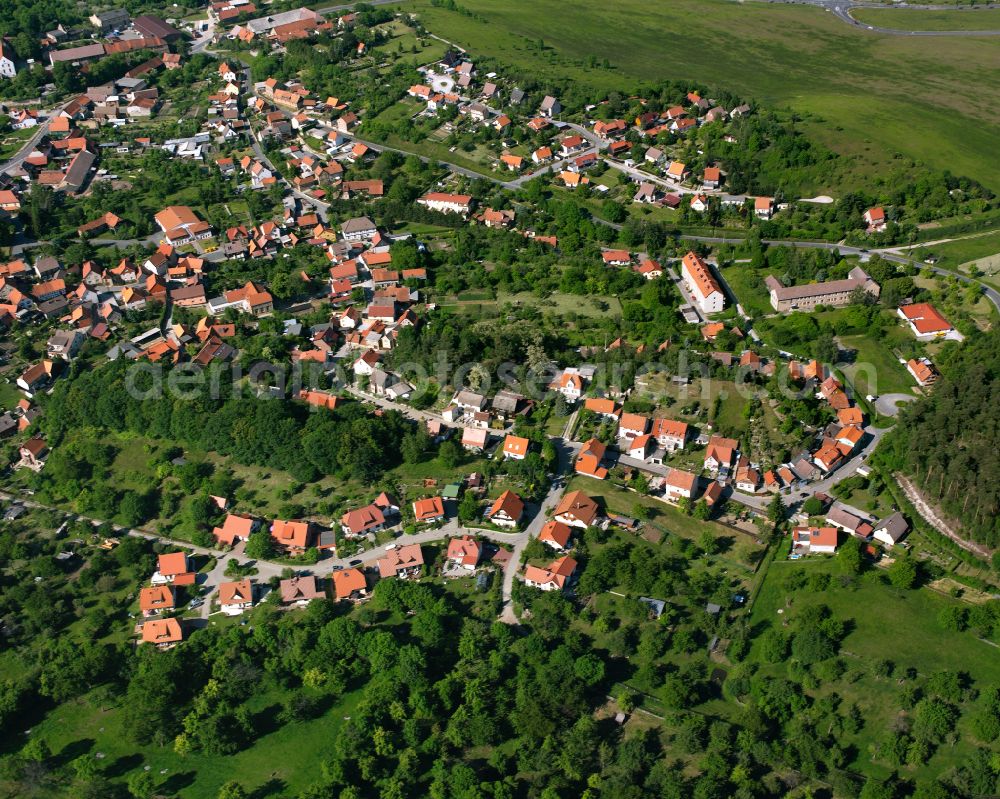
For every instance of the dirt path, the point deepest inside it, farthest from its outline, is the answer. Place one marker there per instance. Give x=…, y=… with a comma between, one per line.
x=931, y=516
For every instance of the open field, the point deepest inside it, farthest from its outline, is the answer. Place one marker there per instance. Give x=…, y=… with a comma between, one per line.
x=884, y=623
x=866, y=95
x=889, y=375
x=908, y=19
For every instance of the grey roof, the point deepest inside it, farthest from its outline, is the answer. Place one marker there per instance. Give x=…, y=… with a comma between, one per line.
x=470, y=399
x=506, y=401
x=858, y=279
x=516, y=96
x=78, y=170
x=7, y=424
x=843, y=518
x=357, y=225
x=894, y=526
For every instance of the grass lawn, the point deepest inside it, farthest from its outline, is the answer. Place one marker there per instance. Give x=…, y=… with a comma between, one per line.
x=754, y=298
x=980, y=19
x=10, y=395
x=282, y=759
x=885, y=623
x=875, y=369
x=876, y=95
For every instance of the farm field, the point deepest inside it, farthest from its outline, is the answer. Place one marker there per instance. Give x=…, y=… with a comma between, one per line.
x=884, y=623
x=979, y=19
x=936, y=105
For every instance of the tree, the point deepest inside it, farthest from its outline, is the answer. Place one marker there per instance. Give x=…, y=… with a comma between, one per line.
x=450, y=454
x=233, y=790
x=849, y=558
x=824, y=348
x=903, y=572
x=141, y=784
x=776, y=510
x=812, y=506
x=260, y=545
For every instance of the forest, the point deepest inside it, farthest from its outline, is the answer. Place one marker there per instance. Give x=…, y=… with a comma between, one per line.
x=946, y=441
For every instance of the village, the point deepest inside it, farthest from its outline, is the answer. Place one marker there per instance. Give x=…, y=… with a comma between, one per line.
x=109, y=311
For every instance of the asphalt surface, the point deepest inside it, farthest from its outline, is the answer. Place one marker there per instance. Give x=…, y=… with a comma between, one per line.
x=842, y=9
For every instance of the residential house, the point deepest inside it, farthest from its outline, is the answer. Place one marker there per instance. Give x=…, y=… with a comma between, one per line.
x=235, y=597
x=890, y=530
x=556, y=534
x=300, y=590
x=555, y=577
x=173, y=568
x=515, y=447
x=809, y=540
x=576, y=509
x=923, y=371
x=588, y=459
x=162, y=633
x=464, y=553
x=721, y=453
x=350, y=585
x=631, y=425
x=843, y=519
x=678, y=485
x=293, y=536
x=235, y=528
x=507, y=510
x=875, y=220
x=428, y=510
x=475, y=439
x=156, y=599
x=402, y=562
x=670, y=434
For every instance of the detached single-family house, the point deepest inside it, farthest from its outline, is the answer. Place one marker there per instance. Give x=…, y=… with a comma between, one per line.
x=428, y=510
x=555, y=577
x=507, y=510
x=556, y=534
x=576, y=509
x=350, y=585
x=808, y=540
x=235, y=597
x=464, y=553
x=300, y=590
x=890, y=530
x=402, y=562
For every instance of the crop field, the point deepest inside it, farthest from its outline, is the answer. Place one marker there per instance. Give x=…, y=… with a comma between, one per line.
x=867, y=96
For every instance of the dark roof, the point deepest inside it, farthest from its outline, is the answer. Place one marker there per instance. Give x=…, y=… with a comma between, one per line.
x=148, y=25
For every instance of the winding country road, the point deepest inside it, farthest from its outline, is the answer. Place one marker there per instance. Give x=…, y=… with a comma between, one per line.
x=842, y=9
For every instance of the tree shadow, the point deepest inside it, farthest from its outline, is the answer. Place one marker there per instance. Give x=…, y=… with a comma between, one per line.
x=724, y=543
x=177, y=782
x=272, y=787
x=72, y=751
x=124, y=764
x=266, y=721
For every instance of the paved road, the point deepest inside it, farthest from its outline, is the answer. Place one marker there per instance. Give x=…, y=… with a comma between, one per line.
x=18, y=158
x=842, y=9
